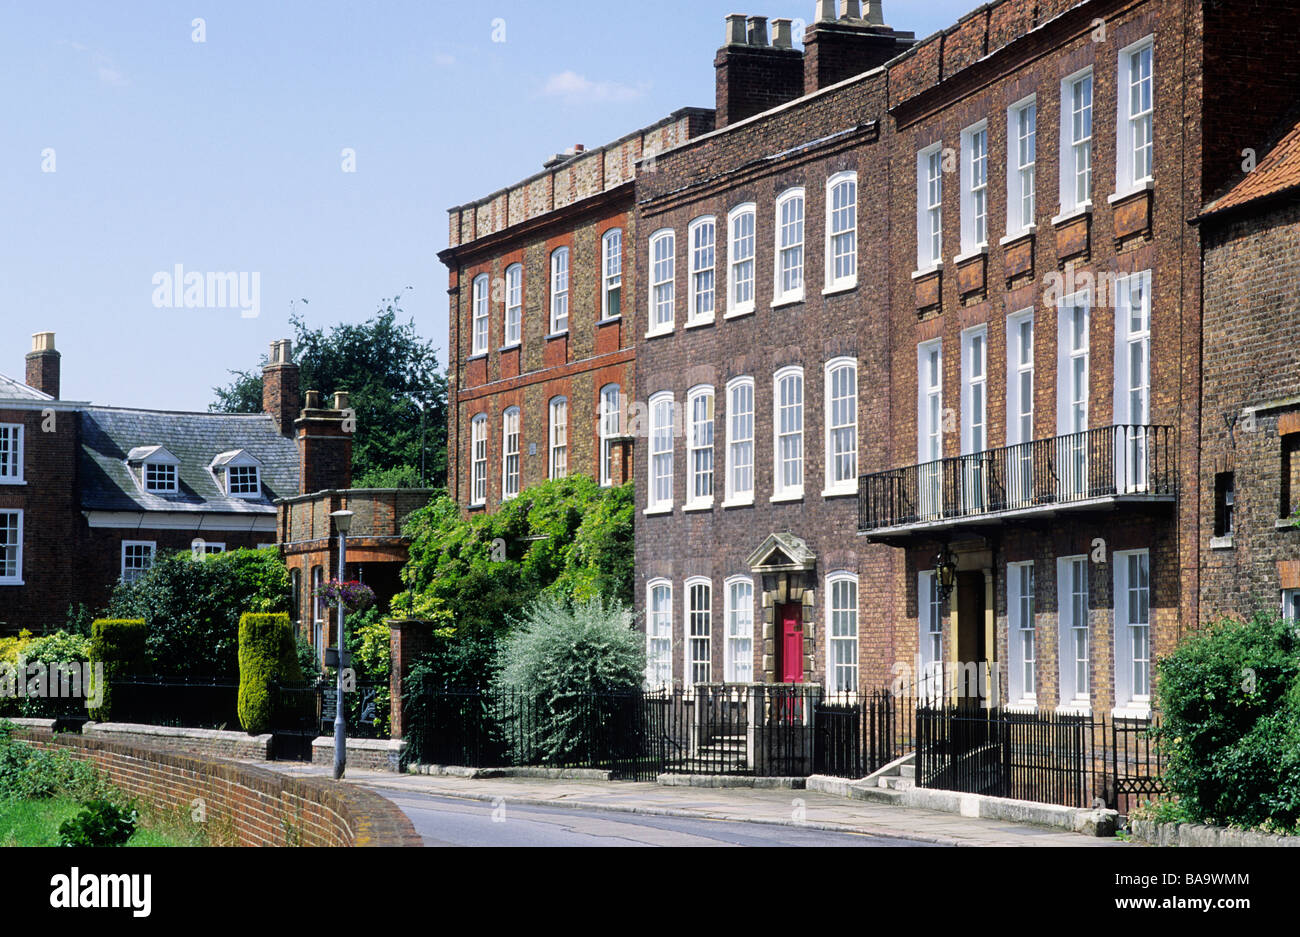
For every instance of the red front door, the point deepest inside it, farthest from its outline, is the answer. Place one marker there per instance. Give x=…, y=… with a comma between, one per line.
x=791, y=662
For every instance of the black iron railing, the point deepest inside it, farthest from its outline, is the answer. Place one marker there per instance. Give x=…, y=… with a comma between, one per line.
x=1096, y=463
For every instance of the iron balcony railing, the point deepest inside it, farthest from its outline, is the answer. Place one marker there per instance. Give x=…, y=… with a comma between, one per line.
x=1097, y=463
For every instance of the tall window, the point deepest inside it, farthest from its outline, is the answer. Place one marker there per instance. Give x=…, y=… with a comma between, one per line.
x=739, y=654
x=318, y=607
x=660, y=494
x=137, y=559
x=1135, y=116
x=842, y=230
x=1022, y=133
x=478, y=458
x=1076, y=133
x=514, y=303
x=841, y=426
x=787, y=423
x=1225, y=498
x=1072, y=394
x=740, y=440
x=659, y=635
x=929, y=425
x=1132, y=378
x=560, y=290
x=11, y=453
x=702, y=235
x=929, y=207
x=1020, y=405
x=1133, y=628
x=559, y=441
x=1020, y=633
x=974, y=415
x=699, y=624
x=662, y=260
x=510, y=453
x=11, y=547
x=789, y=246
x=930, y=635
x=700, y=445
x=611, y=303
x=480, y=345
x=1072, y=611
x=842, y=633
x=740, y=259
x=974, y=188
x=611, y=426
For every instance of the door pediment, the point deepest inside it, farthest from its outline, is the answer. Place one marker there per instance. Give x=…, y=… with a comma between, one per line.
x=782, y=553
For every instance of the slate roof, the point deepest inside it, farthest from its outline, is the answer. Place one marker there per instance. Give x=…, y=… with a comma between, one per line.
x=1276, y=173
x=17, y=390
x=109, y=433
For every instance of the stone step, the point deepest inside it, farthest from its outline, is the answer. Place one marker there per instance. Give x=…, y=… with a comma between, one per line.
x=899, y=783
x=907, y=771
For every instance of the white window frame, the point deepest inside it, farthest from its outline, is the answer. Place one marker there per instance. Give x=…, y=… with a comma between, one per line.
x=1076, y=143
x=1020, y=407
x=557, y=438
x=514, y=304
x=700, y=459
x=319, y=607
x=482, y=313
x=742, y=244
x=137, y=570
x=697, y=631
x=1022, y=142
x=659, y=466
x=161, y=468
x=738, y=655
x=974, y=416
x=560, y=291
x=929, y=426
x=1291, y=605
x=11, y=470
x=974, y=190
x=511, y=468
x=478, y=459
x=659, y=635
x=930, y=628
x=702, y=241
x=1070, y=632
x=793, y=438
x=1133, y=673
x=929, y=208
x=1073, y=393
x=841, y=232
x=611, y=426
x=1022, y=638
x=1127, y=177
x=611, y=253
x=840, y=448
x=1132, y=391
x=16, y=578
x=842, y=634
x=740, y=441
x=789, y=239
x=256, y=491
x=663, y=266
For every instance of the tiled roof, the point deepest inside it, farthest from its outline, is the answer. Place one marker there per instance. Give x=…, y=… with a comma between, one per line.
x=109, y=433
x=17, y=390
x=1277, y=172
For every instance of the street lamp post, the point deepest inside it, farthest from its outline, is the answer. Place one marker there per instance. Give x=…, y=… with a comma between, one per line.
x=342, y=522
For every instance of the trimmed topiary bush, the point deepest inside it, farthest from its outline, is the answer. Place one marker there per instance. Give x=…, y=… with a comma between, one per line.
x=119, y=645
x=268, y=655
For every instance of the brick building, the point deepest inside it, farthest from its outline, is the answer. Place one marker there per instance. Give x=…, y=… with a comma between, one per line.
x=542, y=330
x=1250, y=432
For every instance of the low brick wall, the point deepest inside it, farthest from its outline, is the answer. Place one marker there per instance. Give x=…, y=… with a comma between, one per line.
x=366, y=754
x=219, y=742
x=1193, y=834
x=256, y=806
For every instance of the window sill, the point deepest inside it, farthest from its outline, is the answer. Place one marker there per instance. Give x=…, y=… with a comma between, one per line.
x=1221, y=543
x=787, y=496
x=787, y=301
x=1069, y=214
x=1017, y=235
x=845, y=287
x=699, y=323
x=476, y=506
x=1146, y=185
x=563, y=333
x=979, y=250
x=1074, y=709
x=746, y=309
x=1132, y=711
x=840, y=492
x=691, y=506
x=609, y=320
x=936, y=267
x=481, y=356
x=12, y=582
x=510, y=347
x=739, y=502
x=1285, y=523
x=660, y=332
x=667, y=509
x=13, y=481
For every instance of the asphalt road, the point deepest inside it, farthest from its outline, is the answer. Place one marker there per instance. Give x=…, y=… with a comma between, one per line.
x=448, y=821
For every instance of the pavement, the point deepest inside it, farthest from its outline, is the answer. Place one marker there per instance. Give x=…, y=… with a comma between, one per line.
x=807, y=810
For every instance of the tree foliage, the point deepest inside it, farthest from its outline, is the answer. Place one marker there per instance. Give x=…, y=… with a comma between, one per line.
x=394, y=383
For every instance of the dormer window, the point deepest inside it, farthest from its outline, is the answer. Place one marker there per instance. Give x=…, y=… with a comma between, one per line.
x=238, y=474
x=159, y=477
x=155, y=469
x=243, y=480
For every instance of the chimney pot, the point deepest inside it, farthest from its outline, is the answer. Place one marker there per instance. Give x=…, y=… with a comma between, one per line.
x=781, y=34
x=42, y=341
x=736, y=30
x=875, y=13
x=758, y=31
x=825, y=11
x=313, y=400
x=341, y=400
x=280, y=386
x=43, y=364
x=851, y=10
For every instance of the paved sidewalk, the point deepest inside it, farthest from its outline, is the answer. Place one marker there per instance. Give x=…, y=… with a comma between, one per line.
x=819, y=811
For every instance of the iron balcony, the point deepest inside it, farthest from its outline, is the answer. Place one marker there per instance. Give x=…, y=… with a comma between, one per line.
x=1090, y=470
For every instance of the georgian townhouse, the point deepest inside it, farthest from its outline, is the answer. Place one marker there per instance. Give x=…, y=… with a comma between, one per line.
x=762, y=366
x=541, y=321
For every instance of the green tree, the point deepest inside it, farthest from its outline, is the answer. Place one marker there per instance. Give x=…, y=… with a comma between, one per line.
x=395, y=387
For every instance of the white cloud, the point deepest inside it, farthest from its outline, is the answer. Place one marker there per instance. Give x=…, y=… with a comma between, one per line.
x=106, y=69
x=576, y=88
x=444, y=59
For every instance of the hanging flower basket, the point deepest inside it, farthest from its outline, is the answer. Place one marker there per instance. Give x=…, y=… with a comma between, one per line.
x=356, y=596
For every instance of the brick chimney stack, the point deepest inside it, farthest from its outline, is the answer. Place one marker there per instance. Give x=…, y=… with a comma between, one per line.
x=839, y=47
x=753, y=75
x=324, y=444
x=280, y=396
x=43, y=364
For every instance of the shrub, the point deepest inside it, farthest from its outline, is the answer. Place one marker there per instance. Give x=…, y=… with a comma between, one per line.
x=119, y=644
x=14, y=646
x=1230, y=697
x=267, y=655
x=29, y=772
x=100, y=823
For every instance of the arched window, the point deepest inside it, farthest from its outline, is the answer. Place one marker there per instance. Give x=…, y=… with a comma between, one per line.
x=559, y=290
x=789, y=247
x=841, y=426
x=659, y=634
x=699, y=408
x=559, y=437
x=842, y=632
x=611, y=304
x=740, y=260
x=842, y=230
x=702, y=235
x=699, y=632
x=480, y=331
x=478, y=459
x=662, y=282
x=510, y=453
x=740, y=440
x=514, y=303
x=660, y=489
x=787, y=426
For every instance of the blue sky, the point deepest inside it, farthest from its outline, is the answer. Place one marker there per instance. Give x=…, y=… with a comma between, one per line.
x=227, y=155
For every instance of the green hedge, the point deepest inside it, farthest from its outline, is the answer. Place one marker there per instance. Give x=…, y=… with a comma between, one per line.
x=119, y=645
x=268, y=655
